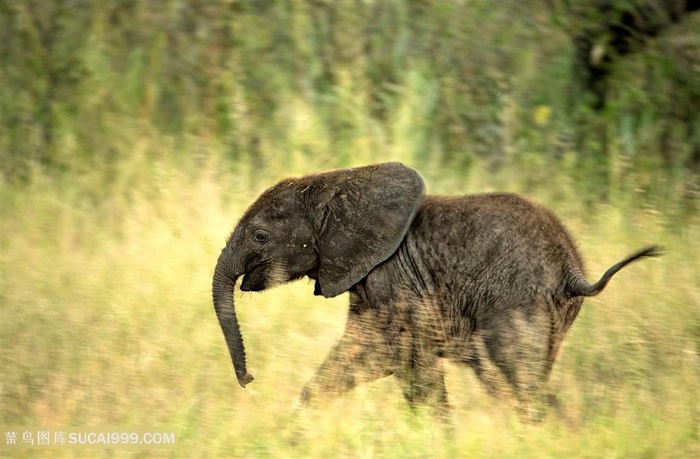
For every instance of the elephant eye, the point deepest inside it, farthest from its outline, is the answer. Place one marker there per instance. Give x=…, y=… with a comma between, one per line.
x=260, y=237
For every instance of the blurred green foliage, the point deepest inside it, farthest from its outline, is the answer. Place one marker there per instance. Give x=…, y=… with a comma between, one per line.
x=494, y=82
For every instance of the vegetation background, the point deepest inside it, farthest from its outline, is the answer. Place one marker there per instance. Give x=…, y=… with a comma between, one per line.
x=134, y=133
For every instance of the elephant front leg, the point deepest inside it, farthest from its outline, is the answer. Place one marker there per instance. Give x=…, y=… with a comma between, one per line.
x=349, y=364
x=422, y=378
x=361, y=356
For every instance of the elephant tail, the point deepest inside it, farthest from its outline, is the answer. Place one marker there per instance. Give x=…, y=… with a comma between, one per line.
x=577, y=285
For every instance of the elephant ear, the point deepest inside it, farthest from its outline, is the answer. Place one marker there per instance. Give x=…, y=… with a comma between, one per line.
x=362, y=218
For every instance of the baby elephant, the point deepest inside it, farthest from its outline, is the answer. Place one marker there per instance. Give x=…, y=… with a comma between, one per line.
x=493, y=281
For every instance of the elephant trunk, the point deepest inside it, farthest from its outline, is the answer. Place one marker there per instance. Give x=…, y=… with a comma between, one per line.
x=226, y=273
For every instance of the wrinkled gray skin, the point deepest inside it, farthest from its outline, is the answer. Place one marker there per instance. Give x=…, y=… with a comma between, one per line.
x=493, y=281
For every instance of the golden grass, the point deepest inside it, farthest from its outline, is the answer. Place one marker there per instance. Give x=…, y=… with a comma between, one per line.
x=107, y=320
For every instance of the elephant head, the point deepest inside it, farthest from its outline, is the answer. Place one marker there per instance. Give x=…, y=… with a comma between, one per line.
x=333, y=227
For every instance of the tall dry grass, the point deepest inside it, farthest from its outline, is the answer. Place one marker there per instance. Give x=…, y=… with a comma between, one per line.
x=107, y=320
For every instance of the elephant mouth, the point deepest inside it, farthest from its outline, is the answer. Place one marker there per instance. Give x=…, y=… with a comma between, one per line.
x=267, y=274
x=254, y=279
x=252, y=284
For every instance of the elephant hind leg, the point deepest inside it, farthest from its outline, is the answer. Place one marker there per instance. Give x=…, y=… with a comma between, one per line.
x=513, y=361
x=496, y=377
